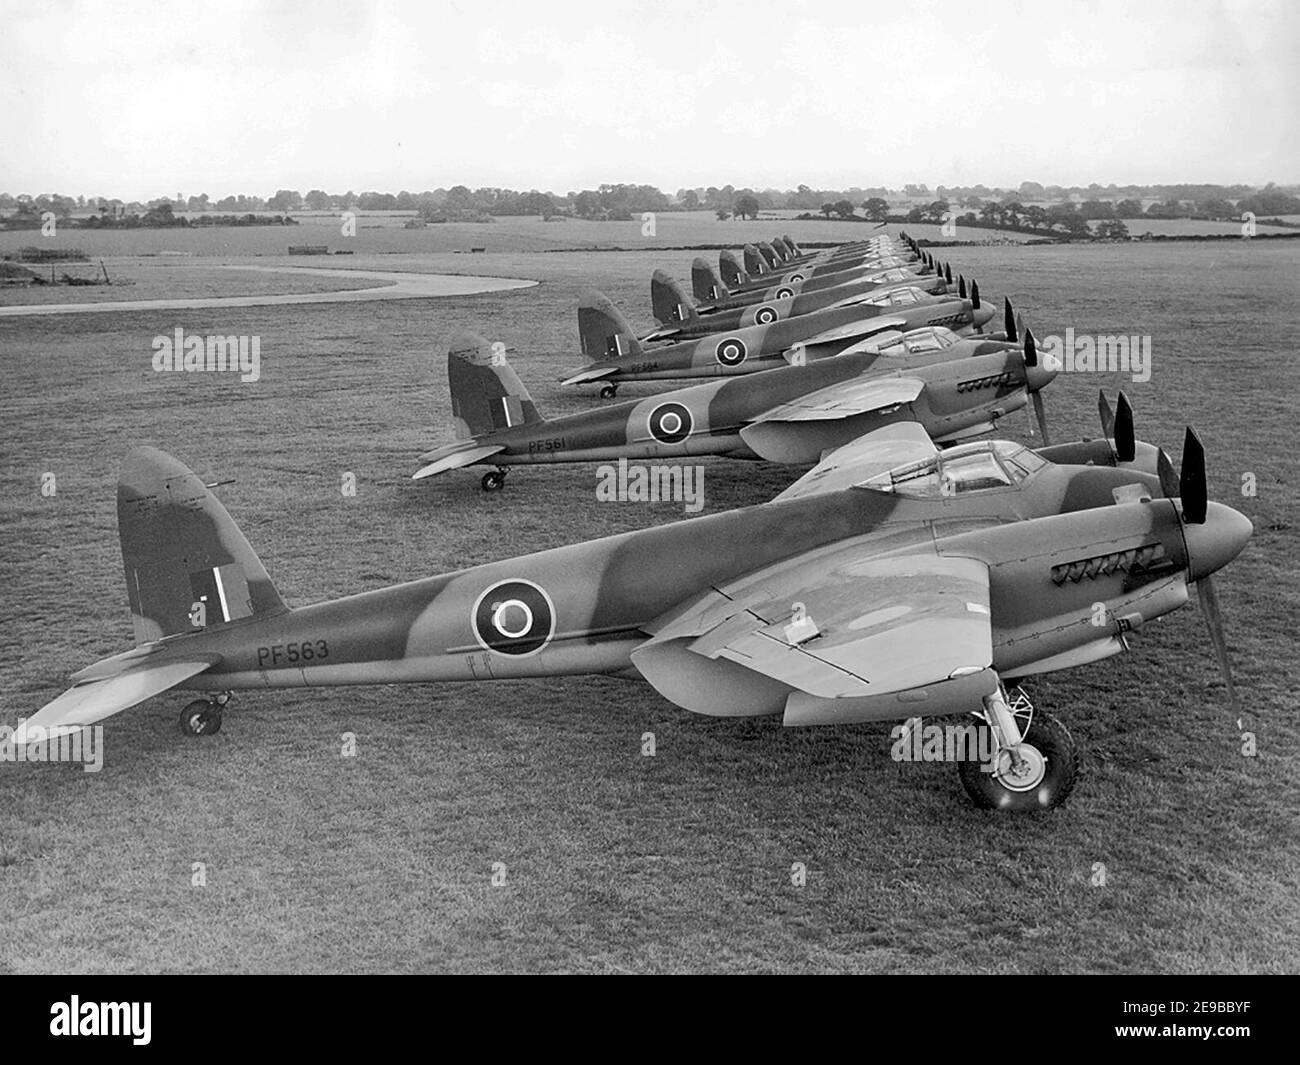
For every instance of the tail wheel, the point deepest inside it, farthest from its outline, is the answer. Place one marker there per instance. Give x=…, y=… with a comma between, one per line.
x=609, y=392
x=1041, y=779
x=493, y=481
x=201, y=718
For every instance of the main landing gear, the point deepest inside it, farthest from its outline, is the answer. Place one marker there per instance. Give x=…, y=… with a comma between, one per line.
x=609, y=392
x=203, y=716
x=495, y=480
x=1035, y=761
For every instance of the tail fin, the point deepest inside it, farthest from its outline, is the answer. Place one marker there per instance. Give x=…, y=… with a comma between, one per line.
x=768, y=252
x=706, y=284
x=602, y=329
x=755, y=264
x=670, y=302
x=783, y=250
x=187, y=565
x=733, y=272
x=792, y=245
x=486, y=393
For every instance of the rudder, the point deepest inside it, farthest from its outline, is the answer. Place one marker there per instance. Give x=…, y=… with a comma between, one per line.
x=603, y=331
x=486, y=393
x=706, y=284
x=669, y=300
x=188, y=567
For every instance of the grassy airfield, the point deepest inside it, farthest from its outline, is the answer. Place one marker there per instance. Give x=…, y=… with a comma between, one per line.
x=614, y=861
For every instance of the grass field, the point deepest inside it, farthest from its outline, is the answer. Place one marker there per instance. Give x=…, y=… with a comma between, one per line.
x=614, y=861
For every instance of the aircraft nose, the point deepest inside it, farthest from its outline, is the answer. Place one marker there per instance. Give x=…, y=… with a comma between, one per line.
x=1215, y=542
x=983, y=316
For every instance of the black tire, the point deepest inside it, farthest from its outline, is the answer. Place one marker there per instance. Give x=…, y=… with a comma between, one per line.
x=200, y=718
x=494, y=481
x=1053, y=741
x=609, y=392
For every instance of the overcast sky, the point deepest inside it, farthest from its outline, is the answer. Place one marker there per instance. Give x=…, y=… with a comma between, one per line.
x=137, y=100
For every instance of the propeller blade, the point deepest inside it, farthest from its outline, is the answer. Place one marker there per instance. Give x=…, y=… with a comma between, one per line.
x=947, y=272
x=961, y=286
x=1209, y=597
x=1191, y=482
x=1125, y=440
x=975, y=295
x=1031, y=348
x=1008, y=320
x=1107, y=415
x=1020, y=322
x=1041, y=414
x=1168, y=478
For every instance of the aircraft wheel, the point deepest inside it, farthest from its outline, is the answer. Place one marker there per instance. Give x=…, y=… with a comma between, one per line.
x=1050, y=764
x=494, y=481
x=609, y=392
x=201, y=718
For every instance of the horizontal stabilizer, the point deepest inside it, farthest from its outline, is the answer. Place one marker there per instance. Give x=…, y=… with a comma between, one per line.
x=446, y=459
x=594, y=374
x=95, y=700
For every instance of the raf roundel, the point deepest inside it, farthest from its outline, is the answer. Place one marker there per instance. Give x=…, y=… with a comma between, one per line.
x=731, y=351
x=670, y=423
x=796, y=277
x=784, y=293
x=765, y=315
x=514, y=617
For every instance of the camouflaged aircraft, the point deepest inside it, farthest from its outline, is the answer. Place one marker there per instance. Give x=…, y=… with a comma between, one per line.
x=710, y=294
x=791, y=415
x=679, y=317
x=752, y=273
x=910, y=583
x=615, y=354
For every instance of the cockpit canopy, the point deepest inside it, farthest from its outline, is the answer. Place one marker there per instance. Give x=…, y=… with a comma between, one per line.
x=922, y=341
x=981, y=466
x=896, y=297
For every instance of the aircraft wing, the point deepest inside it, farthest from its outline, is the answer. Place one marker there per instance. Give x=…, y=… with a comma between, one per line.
x=875, y=453
x=859, y=330
x=112, y=686
x=836, y=635
x=803, y=429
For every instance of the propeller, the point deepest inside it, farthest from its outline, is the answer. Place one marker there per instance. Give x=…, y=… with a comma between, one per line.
x=961, y=286
x=1040, y=411
x=975, y=295
x=1107, y=415
x=947, y=272
x=1008, y=320
x=1124, y=437
x=1191, y=486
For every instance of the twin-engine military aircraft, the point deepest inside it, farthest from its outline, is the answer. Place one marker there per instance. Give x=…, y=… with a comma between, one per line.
x=891, y=581
x=790, y=415
x=615, y=354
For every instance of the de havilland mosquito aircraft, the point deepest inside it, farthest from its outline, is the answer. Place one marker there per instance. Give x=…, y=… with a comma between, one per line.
x=791, y=415
x=711, y=294
x=615, y=354
x=914, y=584
x=679, y=317
x=740, y=279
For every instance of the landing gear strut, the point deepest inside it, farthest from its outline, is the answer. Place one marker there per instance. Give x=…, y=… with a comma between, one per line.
x=1035, y=761
x=203, y=716
x=495, y=480
x=609, y=392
